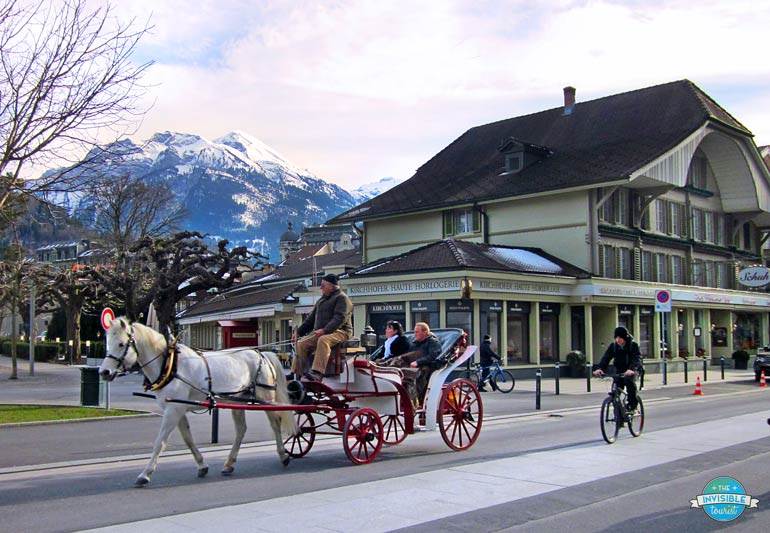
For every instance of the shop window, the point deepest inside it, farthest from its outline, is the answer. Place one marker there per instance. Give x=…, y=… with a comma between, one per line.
x=517, y=328
x=578, y=327
x=425, y=311
x=459, y=314
x=461, y=221
x=549, y=332
x=491, y=317
x=380, y=314
x=746, y=334
x=646, y=321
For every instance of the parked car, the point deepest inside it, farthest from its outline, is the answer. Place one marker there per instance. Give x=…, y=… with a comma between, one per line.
x=762, y=362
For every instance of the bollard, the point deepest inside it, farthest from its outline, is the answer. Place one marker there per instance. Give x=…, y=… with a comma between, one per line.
x=588, y=377
x=214, y=426
x=705, y=370
x=685, y=370
x=665, y=372
x=722, y=364
x=641, y=378
x=538, y=375
x=557, y=374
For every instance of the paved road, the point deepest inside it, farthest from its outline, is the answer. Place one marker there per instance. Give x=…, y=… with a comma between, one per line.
x=555, y=457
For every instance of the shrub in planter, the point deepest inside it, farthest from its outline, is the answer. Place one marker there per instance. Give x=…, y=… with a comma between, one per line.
x=576, y=361
x=741, y=359
x=684, y=353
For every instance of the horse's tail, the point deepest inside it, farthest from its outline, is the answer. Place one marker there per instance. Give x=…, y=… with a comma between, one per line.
x=288, y=421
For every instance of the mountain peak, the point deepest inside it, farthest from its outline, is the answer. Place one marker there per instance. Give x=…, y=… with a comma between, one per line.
x=251, y=147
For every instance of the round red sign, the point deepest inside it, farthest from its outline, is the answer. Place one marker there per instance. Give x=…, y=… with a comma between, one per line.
x=663, y=296
x=108, y=315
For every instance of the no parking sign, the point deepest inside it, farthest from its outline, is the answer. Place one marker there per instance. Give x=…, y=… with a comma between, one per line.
x=108, y=315
x=663, y=301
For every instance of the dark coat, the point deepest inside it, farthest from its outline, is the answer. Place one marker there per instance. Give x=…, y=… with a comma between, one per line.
x=330, y=313
x=487, y=354
x=625, y=358
x=429, y=349
x=399, y=347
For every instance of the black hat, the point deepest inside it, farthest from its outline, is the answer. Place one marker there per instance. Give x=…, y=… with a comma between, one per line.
x=487, y=338
x=622, y=332
x=334, y=279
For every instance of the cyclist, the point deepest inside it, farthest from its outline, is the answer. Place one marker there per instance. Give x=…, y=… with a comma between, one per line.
x=627, y=360
x=486, y=357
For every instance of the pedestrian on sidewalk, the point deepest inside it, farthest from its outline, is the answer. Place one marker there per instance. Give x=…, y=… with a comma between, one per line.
x=625, y=356
x=486, y=357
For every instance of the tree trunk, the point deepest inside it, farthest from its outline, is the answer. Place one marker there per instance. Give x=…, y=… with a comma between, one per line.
x=14, y=333
x=72, y=314
x=166, y=310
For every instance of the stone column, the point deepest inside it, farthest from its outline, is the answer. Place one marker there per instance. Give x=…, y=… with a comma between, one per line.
x=534, y=333
x=565, y=331
x=690, y=313
x=589, y=332
x=504, y=334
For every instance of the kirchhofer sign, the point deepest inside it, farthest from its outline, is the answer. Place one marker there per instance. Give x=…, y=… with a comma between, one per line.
x=754, y=276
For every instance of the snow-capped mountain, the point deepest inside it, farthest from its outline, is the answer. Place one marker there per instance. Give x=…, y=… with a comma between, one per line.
x=370, y=190
x=233, y=187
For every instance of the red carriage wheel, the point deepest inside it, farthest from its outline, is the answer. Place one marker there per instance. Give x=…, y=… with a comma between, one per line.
x=394, y=429
x=362, y=436
x=298, y=445
x=460, y=414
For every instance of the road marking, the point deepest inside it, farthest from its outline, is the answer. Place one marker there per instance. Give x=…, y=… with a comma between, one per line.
x=418, y=498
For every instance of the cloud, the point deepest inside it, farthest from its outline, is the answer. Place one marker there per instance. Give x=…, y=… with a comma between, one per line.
x=357, y=90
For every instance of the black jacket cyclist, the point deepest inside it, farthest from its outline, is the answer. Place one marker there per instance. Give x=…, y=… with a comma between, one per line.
x=625, y=355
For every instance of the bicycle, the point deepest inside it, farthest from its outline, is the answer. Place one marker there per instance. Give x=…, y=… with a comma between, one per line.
x=500, y=379
x=614, y=413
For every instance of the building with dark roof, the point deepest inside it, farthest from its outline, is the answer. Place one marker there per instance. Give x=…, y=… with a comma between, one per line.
x=654, y=189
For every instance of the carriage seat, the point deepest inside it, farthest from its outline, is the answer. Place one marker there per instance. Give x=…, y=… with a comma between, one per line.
x=343, y=350
x=365, y=364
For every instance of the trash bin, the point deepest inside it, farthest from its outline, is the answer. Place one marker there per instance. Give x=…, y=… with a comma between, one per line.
x=89, y=385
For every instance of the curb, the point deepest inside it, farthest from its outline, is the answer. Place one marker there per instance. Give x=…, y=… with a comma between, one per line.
x=73, y=420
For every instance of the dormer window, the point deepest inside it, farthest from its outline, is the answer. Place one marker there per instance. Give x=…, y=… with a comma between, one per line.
x=518, y=154
x=461, y=222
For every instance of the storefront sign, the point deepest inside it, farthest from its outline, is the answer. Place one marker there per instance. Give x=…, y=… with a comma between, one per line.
x=625, y=310
x=549, y=309
x=428, y=306
x=758, y=276
x=401, y=287
x=491, y=306
x=386, y=308
x=645, y=310
x=244, y=335
x=519, y=286
x=518, y=307
x=459, y=306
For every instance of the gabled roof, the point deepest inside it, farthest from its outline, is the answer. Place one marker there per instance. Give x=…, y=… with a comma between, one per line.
x=311, y=265
x=450, y=254
x=241, y=298
x=602, y=140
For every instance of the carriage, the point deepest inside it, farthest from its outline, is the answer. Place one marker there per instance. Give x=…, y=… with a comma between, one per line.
x=368, y=405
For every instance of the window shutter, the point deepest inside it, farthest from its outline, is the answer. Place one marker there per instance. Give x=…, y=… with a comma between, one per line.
x=448, y=226
x=637, y=258
x=601, y=262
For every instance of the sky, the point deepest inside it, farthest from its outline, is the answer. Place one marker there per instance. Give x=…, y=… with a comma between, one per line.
x=359, y=90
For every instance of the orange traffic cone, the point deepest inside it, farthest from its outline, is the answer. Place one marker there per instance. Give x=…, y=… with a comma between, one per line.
x=698, y=389
x=762, y=382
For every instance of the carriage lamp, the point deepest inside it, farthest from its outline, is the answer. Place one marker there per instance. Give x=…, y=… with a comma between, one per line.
x=368, y=337
x=21, y=338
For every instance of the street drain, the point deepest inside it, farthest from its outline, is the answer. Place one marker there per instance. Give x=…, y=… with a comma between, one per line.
x=554, y=415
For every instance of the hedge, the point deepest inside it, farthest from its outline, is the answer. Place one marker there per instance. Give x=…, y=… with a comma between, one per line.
x=48, y=351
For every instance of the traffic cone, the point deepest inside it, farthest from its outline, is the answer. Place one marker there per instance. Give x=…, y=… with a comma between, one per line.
x=762, y=383
x=698, y=389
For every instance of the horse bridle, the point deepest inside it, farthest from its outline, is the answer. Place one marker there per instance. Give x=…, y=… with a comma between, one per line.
x=121, y=360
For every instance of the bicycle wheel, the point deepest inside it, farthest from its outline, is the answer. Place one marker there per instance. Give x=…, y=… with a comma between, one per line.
x=636, y=420
x=609, y=420
x=504, y=381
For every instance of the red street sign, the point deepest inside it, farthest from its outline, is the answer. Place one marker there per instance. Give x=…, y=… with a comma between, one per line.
x=108, y=315
x=662, y=301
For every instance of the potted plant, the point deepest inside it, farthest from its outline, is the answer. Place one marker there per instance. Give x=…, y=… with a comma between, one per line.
x=576, y=361
x=741, y=359
x=684, y=353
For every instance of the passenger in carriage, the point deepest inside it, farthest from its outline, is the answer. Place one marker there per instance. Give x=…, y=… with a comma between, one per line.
x=396, y=342
x=330, y=324
x=418, y=362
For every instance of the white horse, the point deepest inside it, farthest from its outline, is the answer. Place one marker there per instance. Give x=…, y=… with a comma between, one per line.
x=229, y=371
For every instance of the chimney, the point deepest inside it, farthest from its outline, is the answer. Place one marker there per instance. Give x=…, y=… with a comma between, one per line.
x=569, y=100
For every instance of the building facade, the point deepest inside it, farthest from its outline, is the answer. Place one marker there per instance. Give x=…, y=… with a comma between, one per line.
x=658, y=188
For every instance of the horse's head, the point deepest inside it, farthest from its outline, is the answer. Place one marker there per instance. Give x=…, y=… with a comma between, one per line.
x=120, y=348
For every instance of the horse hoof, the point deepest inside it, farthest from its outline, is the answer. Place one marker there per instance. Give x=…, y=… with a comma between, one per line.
x=228, y=471
x=141, y=481
x=203, y=471
x=286, y=461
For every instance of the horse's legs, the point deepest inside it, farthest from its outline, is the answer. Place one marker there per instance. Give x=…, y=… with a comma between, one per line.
x=184, y=429
x=275, y=423
x=171, y=416
x=239, y=419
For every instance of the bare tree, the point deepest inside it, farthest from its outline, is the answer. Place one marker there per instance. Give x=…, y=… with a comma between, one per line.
x=129, y=209
x=66, y=78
